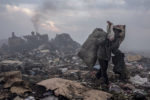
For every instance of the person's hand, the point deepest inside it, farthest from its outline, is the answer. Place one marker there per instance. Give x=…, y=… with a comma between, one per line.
x=110, y=23
x=111, y=38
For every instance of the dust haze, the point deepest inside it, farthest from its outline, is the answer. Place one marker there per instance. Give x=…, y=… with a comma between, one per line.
x=78, y=18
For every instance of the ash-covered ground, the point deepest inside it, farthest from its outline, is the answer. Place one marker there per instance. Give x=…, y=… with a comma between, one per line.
x=33, y=67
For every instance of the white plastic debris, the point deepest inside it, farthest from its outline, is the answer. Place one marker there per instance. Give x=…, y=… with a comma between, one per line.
x=63, y=70
x=74, y=58
x=97, y=67
x=140, y=66
x=50, y=98
x=138, y=80
x=30, y=98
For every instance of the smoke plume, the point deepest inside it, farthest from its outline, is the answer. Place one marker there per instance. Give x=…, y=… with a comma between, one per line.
x=48, y=9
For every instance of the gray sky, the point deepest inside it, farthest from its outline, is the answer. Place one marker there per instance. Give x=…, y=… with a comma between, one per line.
x=78, y=18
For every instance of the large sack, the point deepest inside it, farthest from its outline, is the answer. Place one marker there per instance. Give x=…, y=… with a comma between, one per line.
x=88, y=51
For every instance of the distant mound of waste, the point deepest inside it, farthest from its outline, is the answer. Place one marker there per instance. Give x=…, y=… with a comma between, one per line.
x=62, y=43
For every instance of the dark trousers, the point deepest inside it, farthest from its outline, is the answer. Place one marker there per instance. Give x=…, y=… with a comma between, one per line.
x=119, y=65
x=103, y=70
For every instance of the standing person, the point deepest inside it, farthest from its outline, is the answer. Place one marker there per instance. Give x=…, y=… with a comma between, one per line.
x=111, y=45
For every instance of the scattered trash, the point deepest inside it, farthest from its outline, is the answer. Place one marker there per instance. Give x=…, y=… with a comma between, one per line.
x=128, y=87
x=18, y=98
x=132, y=58
x=115, y=88
x=63, y=70
x=140, y=67
x=138, y=80
x=139, y=96
x=97, y=67
x=51, y=70
x=30, y=98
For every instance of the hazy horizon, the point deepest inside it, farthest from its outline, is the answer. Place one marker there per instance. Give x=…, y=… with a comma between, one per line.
x=78, y=18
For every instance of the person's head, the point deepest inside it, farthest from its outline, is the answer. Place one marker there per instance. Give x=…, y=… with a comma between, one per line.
x=119, y=31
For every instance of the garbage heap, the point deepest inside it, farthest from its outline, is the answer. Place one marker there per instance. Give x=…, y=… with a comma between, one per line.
x=44, y=73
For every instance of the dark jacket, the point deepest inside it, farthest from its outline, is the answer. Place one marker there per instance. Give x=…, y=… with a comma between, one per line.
x=106, y=48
